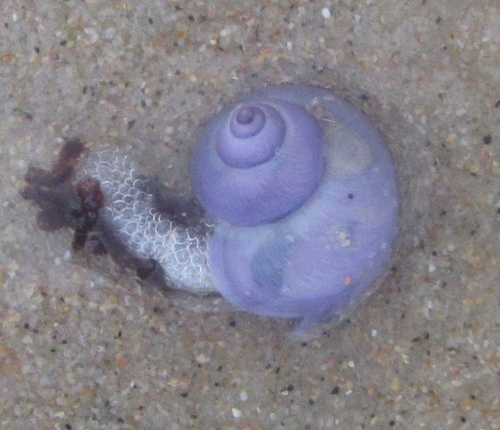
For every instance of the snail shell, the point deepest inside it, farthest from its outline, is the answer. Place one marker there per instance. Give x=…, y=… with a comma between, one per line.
x=300, y=193
x=304, y=195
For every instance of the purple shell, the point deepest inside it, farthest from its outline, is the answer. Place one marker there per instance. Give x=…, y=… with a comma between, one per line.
x=306, y=224
x=235, y=162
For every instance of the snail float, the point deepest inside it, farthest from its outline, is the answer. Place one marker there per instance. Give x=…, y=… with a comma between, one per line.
x=300, y=202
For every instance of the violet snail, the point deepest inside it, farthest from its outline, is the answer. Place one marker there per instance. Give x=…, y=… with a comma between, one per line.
x=301, y=206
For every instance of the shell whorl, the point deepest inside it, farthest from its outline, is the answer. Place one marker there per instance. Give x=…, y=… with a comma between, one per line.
x=247, y=139
x=258, y=161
